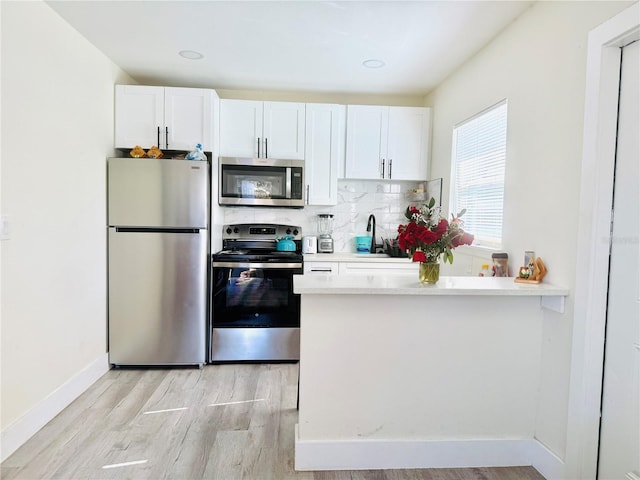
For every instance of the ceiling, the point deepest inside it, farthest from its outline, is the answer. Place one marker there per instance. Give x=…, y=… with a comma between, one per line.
x=293, y=46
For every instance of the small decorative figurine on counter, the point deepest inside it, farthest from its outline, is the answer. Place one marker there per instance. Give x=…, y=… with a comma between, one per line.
x=532, y=273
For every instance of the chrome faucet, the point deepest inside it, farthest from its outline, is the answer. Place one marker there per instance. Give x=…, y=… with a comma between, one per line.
x=371, y=227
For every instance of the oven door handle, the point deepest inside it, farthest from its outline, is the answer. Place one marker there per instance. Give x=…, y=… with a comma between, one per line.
x=264, y=266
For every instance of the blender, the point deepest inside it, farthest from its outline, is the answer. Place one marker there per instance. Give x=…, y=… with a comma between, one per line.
x=325, y=229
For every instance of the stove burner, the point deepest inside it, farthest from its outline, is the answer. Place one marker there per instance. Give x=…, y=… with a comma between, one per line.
x=258, y=243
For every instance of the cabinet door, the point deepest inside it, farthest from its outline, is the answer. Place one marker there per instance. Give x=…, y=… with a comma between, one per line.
x=188, y=115
x=139, y=114
x=366, y=141
x=378, y=269
x=283, y=130
x=240, y=128
x=408, y=143
x=322, y=152
x=321, y=268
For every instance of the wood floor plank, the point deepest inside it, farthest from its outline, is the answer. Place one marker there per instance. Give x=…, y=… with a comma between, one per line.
x=247, y=435
x=227, y=455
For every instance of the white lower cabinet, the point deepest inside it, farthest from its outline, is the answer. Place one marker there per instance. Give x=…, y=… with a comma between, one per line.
x=360, y=268
x=320, y=268
x=377, y=268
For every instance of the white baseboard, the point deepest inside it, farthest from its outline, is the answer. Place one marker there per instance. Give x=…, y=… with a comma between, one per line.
x=366, y=454
x=26, y=426
x=545, y=461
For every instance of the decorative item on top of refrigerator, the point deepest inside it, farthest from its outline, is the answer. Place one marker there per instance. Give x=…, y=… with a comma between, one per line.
x=197, y=154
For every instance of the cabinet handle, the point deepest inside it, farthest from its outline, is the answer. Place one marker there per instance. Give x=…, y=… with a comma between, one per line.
x=166, y=137
x=158, y=144
x=307, y=194
x=266, y=148
x=382, y=171
x=258, y=147
x=390, y=164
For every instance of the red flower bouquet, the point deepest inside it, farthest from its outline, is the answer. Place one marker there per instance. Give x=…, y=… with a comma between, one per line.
x=429, y=235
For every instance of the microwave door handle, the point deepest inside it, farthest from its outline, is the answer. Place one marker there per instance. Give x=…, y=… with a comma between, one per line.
x=288, y=183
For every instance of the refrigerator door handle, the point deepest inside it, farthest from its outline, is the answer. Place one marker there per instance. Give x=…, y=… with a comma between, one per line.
x=156, y=230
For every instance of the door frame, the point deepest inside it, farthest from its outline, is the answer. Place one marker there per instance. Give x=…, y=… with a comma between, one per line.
x=596, y=199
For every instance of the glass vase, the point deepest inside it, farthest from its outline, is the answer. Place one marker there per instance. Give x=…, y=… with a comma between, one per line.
x=429, y=272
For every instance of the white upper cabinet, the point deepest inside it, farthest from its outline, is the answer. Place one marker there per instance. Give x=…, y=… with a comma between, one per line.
x=139, y=116
x=240, y=128
x=408, y=143
x=367, y=128
x=262, y=129
x=389, y=143
x=171, y=118
x=188, y=114
x=283, y=130
x=324, y=151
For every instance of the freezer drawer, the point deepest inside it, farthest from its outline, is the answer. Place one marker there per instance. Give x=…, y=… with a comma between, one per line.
x=157, y=297
x=149, y=192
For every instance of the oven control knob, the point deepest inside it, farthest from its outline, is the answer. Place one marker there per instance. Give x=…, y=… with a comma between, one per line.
x=288, y=231
x=228, y=230
x=236, y=230
x=295, y=231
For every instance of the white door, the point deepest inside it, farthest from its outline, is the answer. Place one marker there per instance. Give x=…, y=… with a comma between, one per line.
x=619, y=456
x=139, y=116
x=321, y=153
x=240, y=128
x=283, y=130
x=367, y=128
x=408, y=143
x=188, y=114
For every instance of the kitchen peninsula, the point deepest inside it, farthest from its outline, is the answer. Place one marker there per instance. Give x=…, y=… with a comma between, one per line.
x=394, y=374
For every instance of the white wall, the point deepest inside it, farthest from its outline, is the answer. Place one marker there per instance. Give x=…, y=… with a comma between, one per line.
x=323, y=97
x=538, y=64
x=57, y=131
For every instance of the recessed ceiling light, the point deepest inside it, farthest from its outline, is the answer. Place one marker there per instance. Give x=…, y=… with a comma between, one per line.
x=190, y=54
x=373, y=63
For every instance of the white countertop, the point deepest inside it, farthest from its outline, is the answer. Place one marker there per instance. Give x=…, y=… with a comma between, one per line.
x=353, y=257
x=410, y=285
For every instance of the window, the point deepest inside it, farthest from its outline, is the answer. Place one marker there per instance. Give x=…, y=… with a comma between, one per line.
x=477, y=173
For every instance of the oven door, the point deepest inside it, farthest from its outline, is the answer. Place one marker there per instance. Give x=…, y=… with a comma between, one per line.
x=256, y=315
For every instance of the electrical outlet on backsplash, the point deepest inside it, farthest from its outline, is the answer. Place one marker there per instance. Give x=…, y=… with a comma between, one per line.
x=357, y=199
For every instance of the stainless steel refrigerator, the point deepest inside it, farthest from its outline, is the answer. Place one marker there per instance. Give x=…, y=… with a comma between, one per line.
x=158, y=214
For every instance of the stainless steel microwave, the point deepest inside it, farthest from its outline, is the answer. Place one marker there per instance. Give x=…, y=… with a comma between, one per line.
x=261, y=182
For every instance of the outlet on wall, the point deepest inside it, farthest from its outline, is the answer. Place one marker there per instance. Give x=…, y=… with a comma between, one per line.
x=4, y=227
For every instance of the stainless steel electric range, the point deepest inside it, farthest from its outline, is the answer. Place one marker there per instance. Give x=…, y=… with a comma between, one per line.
x=255, y=314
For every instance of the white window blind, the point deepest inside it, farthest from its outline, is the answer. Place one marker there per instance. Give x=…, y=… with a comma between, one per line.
x=478, y=163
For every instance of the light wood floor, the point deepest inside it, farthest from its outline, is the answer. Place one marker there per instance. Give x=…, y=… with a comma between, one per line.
x=114, y=423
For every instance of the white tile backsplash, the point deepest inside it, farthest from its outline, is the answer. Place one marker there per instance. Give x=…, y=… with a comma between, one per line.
x=357, y=199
